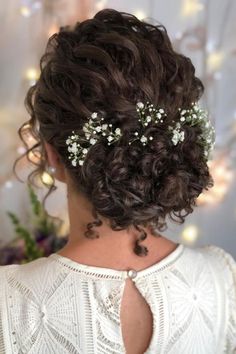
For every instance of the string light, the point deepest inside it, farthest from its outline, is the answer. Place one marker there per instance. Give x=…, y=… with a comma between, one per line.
x=214, y=60
x=25, y=11
x=8, y=184
x=217, y=75
x=47, y=179
x=191, y=7
x=21, y=150
x=30, y=6
x=100, y=4
x=140, y=14
x=222, y=176
x=32, y=75
x=53, y=29
x=190, y=234
x=178, y=35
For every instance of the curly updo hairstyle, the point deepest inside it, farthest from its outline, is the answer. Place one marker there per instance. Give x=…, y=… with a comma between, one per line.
x=107, y=64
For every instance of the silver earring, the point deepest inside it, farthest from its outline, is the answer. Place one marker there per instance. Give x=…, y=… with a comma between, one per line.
x=51, y=170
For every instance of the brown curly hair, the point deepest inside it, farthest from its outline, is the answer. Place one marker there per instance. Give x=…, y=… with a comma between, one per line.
x=107, y=64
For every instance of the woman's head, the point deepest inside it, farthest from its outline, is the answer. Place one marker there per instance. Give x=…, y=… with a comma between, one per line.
x=106, y=64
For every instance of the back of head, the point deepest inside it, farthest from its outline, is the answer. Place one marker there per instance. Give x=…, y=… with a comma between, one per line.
x=107, y=64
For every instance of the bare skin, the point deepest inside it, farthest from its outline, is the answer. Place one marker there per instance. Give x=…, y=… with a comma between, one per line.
x=113, y=249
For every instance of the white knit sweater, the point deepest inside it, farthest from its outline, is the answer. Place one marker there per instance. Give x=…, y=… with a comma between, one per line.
x=56, y=305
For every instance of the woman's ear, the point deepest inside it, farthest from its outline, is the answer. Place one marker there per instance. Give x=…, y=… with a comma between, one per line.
x=54, y=160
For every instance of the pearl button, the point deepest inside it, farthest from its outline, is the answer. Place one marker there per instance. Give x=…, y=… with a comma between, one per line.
x=132, y=273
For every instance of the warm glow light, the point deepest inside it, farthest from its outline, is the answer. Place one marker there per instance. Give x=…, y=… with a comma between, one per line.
x=191, y=7
x=46, y=178
x=100, y=4
x=140, y=14
x=217, y=75
x=8, y=184
x=53, y=29
x=190, y=234
x=21, y=150
x=214, y=60
x=222, y=177
x=31, y=74
x=25, y=11
x=178, y=35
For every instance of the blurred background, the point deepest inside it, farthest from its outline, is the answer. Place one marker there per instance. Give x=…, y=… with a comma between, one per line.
x=204, y=30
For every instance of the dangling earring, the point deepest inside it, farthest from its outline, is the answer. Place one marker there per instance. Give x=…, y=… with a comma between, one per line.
x=51, y=170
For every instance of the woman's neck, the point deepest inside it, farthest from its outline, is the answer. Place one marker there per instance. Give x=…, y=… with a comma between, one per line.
x=113, y=249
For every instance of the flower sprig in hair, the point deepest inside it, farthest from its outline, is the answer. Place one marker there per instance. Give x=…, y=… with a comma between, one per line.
x=93, y=130
x=147, y=114
x=195, y=116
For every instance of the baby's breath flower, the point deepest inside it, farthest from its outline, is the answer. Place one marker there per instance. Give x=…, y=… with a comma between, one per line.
x=147, y=115
x=92, y=141
x=94, y=115
x=140, y=105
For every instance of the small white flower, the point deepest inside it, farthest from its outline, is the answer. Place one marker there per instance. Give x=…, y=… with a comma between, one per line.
x=177, y=125
x=92, y=141
x=181, y=136
x=149, y=119
x=143, y=139
x=118, y=131
x=174, y=139
x=159, y=115
x=182, y=119
x=73, y=148
x=98, y=129
x=94, y=115
x=85, y=129
x=81, y=162
x=104, y=126
x=110, y=138
x=161, y=110
x=150, y=137
x=85, y=151
x=136, y=133
x=74, y=163
x=140, y=105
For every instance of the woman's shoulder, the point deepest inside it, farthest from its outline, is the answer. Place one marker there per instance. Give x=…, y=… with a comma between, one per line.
x=26, y=270
x=223, y=265
x=215, y=256
x=218, y=254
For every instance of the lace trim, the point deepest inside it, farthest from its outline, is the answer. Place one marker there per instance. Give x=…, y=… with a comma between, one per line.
x=109, y=273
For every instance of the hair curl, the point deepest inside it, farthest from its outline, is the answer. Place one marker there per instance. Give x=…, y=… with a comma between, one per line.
x=107, y=64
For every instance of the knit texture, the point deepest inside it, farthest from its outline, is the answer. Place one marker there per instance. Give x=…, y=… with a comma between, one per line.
x=56, y=305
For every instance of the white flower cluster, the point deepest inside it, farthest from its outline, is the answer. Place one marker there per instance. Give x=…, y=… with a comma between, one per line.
x=93, y=129
x=195, y=116
x=147, y=114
